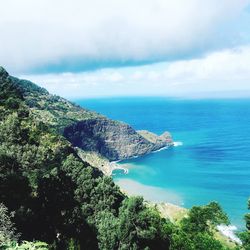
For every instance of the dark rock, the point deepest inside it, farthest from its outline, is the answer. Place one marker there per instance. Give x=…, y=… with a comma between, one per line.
x=112, y=139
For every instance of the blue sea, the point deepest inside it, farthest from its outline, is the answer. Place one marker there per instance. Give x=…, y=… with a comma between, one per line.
x=211, y=160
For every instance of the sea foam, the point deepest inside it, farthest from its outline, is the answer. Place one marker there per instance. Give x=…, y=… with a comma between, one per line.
x=178, y=143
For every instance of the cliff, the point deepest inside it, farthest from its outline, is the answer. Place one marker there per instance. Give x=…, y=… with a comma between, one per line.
x=112, y=139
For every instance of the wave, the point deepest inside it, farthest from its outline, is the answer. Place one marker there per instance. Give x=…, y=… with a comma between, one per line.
x=158, y=150
x=178, y=143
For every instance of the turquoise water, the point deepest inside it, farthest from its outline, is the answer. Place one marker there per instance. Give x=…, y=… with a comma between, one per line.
x=212, y=164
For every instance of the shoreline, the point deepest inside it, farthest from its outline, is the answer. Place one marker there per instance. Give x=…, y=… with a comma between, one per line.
x=174, y=212
x=172, y=208
x=115, y=166
x=100, y=162
x=107, y=167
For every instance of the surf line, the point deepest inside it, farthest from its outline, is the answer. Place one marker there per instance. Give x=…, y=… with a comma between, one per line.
x=115, y=166
x=178, y=143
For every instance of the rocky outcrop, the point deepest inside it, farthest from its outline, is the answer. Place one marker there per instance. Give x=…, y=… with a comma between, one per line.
x=96, y=160
x=160, y=141
x=112, y=139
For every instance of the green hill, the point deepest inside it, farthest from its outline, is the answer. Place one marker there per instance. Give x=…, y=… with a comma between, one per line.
x=85, y=129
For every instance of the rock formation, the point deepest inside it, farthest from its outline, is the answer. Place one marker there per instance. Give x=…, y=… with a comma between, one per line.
x=112, y=139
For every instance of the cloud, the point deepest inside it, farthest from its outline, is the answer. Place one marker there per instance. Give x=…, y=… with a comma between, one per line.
x=223, y=70
x=62, y=35
x=222, y=73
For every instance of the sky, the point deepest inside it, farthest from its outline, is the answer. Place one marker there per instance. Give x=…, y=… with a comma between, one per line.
x=105, y=48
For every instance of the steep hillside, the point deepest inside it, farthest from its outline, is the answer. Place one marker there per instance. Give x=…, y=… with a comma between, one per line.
x=86, y=129
x=56, y=111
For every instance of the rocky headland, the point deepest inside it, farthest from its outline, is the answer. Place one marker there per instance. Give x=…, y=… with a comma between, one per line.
x=114, y=140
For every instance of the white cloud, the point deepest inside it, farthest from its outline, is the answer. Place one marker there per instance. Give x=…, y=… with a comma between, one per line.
x=228, y=66
x=226, y=71
x=44, y=32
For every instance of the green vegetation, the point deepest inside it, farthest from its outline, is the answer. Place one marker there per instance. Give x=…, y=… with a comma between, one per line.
x=26, y=245
x=48, y=194
x=245, y=236
x=53, y=110
x=195, y=231
x=7, y=230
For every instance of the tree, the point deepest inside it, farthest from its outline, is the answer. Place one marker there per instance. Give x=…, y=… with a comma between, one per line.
x=201, y=218
x=245, y=236
x=141, y=227
x=107, y=226
x=7, y=230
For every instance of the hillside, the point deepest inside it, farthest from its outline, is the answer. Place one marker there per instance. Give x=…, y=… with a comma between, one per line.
x=48, y=194
x=86, y=129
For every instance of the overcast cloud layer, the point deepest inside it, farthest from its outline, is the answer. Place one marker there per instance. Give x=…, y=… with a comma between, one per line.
x=225, y=73
x=76, y=35
x=90, y=48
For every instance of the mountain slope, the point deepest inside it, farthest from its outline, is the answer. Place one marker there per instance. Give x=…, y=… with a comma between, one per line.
x=86, y=129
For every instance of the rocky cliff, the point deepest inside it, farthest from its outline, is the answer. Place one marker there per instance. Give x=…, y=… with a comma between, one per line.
x=112, y=139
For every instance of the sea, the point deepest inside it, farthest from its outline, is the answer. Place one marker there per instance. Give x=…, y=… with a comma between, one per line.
x=209, y=162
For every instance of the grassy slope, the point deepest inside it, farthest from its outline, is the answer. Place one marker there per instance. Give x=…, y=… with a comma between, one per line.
x=51, y=109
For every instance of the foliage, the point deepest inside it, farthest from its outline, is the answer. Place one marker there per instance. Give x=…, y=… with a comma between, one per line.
x=200, y=219
x=7, y=230
x=26, y=245
x=196, y=230
x=141, y=226
x=245, y=236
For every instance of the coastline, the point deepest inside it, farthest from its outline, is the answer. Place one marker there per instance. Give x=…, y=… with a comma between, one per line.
x=168, y=203
x=107, y=167
x=98, y=161
x=151, y=152
x=150, y=193
x=115, y=166
x=175, y=212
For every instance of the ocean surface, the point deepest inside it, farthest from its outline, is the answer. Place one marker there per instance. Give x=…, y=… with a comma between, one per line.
x=211, y=159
